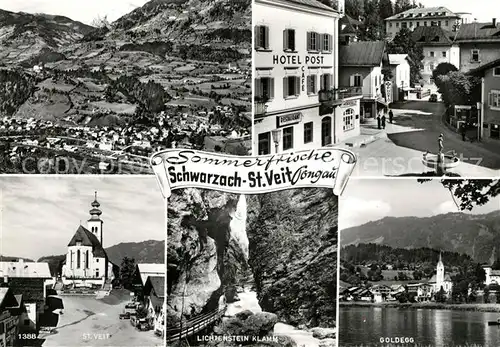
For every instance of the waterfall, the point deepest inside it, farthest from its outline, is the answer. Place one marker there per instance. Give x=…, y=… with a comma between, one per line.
x=238, y=225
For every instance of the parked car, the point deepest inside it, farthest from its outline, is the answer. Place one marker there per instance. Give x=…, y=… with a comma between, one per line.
x=125, y=315
x=433, y=98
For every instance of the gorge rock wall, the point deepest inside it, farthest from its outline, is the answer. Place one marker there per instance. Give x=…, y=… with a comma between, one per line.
x=293, y=254
x=206, y=248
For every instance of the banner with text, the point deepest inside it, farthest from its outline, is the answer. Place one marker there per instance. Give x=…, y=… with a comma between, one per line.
x=186, y=168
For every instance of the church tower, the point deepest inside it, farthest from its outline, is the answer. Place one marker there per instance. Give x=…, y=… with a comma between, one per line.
x=94, y=224
x=439, y=273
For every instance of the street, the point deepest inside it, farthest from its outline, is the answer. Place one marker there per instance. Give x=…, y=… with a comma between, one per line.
x=90, y=322
x=415, y=130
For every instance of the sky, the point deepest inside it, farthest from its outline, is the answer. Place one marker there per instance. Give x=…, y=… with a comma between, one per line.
x=83, y=11
x=41, y=214
x=483, y=10
x=366, y=200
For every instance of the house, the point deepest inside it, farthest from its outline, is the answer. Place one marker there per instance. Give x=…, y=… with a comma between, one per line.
x=438, y=47
x=424, y=17
x=348, y=29
x=400, y=81
x=86, y=262
x=27, y=279
x=145, y=270
x=479, y=44
x=489, y=113
x=296, y=67
x=10, y=311
x=361, y=67
x=492, y=276
x=154, y=299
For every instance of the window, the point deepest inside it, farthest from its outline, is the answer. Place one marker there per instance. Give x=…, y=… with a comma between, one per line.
x=439, y=23
x=431, y=66
x=264, y=143
x=418, y=24
x=96, y=260
x=97, y=273
x=326, y=41
x=287, y=138
x=411, y=24
x=264, y=88
x=87, y=260
x=356, y=81
x=494, y=131
x=446, y=23
x=78, y=259
x=261, y=37
x=475, y=56
x=348, y=119
x=496, y=72
x=444, y=54
x=289, y=40
x=431, y=54
x=425, y=23
x=494, y=99
x=404, y=25
x=326, y=81
x=313, y=42
x=311, y=84
x=291, y=86
x=397, y=24
x=326, y=131
x=308, y=132
x=2, y=328
x=390, y=24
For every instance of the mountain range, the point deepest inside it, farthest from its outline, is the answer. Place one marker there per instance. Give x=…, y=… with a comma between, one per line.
x=475, y=235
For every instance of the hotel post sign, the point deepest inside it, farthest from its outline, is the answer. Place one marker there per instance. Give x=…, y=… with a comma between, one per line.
x=294, y=61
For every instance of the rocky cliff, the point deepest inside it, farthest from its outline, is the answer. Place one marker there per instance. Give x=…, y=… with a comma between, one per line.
x=206, y=248
x=293, y=254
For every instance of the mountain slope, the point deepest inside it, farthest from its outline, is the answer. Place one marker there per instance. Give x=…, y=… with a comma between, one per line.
x=475, y=235
x=151, y=251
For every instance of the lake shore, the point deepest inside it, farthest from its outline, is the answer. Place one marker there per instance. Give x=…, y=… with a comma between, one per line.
x=427, y=305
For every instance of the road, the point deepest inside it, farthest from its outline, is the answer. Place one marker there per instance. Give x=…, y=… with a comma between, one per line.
x=90, y=322
x=417, y=126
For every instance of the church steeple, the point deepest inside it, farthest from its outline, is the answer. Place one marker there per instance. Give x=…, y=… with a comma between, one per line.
x=94, y=224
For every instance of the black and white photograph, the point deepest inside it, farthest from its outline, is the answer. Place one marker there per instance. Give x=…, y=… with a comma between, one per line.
x=411, y=87
x=96, y=87
x=252, y=270
x=82, y=262
x=419, y=263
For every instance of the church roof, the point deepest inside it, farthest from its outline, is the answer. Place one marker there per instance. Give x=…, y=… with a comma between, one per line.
x=88, y=239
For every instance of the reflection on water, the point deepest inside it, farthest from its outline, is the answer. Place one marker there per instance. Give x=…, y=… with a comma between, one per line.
x=439, y=328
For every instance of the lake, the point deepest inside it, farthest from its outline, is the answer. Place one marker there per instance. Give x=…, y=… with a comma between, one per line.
x=428, y=327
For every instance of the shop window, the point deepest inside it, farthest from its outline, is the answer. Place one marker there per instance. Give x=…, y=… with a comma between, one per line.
x=264, y=143
x=348, y=119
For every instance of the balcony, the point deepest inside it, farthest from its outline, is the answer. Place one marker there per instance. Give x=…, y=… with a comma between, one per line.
x=336, y=96
x=260, y=106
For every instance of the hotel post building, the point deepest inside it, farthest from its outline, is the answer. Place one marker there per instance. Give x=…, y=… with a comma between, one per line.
x=297, y=104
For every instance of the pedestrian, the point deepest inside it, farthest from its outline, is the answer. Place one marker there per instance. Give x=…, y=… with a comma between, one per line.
x=463, y=131
x=383, y=121
x=378, y=121
x=391, y=115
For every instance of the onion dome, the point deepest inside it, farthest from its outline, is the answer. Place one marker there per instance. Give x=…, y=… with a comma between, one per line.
x=95, y=212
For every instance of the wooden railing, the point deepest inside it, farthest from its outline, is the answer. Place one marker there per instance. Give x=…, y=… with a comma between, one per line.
x=194, y=325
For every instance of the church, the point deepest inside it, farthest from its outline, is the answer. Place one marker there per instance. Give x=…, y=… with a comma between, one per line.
x=86, y=262
x=440, y=279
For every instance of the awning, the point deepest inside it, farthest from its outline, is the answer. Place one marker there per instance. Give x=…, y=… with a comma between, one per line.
x=54, y=303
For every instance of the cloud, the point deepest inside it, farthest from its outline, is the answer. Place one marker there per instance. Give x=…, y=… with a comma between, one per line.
x=355, y=211
x=446, y=207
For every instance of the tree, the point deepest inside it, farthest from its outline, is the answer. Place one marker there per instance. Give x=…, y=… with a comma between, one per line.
x=373, y=24
x=472, y=193
x=440, y=295
x=127, y=270
x=404, y=44
x=442, y=70
x=417, y=275
x=355, y=8
x=386, y=10
x=403, y=5
x=101, y=22
x=458, y=88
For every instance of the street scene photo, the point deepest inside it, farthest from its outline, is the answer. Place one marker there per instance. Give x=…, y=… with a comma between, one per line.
x=92, y=88
x=419, y=263
x=252, y=270
x=410, y=87
x=74, y=269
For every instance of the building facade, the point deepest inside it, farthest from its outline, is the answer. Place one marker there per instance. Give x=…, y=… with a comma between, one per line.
x=438, y=47
x=86, y=261
x=400, y=68
x=361, y=65
x=424, y=17
x=489, y=105
x=479, y=44
x=492, y=276
x=9, y=317
x=296, y=72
